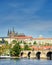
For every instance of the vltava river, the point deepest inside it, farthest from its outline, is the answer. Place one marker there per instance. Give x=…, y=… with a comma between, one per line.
x=24, y=62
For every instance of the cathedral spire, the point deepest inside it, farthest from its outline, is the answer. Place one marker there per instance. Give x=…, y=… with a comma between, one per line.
x=13, y=30
x=8, y=32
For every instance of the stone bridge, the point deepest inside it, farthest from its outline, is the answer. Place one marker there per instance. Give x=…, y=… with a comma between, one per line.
x=38, y=54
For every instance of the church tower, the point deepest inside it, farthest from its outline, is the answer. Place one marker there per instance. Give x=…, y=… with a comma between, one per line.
x=13, y=30
x=8, y=32
x=11, y=33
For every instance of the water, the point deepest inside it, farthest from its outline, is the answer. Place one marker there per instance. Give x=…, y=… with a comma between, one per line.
x=24, y=62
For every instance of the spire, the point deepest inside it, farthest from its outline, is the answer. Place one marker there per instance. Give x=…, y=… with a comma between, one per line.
x=8, y=32
x=13, y=30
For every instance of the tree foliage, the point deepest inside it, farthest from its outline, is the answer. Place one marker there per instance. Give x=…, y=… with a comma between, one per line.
x=14, y=42
x=34, y=43
x=15, y=51
x=26, y=47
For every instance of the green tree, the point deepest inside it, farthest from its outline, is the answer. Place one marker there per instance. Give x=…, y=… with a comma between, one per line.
x=24, y=43
x=6, y=42
x=15, y=51
x=0, y=41
x=14, y=42
x=34, y=43
x=4, y=49
x=0, y=50
x=30, y=44
x=26, y=47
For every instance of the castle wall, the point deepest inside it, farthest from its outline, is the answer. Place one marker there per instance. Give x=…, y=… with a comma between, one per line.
x=9, y=40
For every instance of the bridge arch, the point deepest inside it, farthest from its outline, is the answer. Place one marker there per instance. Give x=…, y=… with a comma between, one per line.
x=29, y=54
x=38, y=55
x=21, y=54
x=49, y=55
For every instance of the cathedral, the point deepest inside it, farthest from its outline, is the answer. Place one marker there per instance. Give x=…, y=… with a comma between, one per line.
x=12, y=33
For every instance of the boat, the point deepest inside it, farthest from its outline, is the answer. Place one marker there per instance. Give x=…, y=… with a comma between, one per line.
x=3, y=57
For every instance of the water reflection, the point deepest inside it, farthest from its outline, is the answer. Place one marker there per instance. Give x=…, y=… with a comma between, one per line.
x=25, y=62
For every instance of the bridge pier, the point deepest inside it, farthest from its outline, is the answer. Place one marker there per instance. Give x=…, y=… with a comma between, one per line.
x=45, y=54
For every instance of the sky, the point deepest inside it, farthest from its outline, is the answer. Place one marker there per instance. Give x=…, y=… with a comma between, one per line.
x=31, y=17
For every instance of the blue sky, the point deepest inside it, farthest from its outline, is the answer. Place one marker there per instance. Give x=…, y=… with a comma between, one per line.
x=31, y=17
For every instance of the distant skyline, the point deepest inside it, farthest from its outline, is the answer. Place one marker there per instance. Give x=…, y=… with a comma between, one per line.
x=31, y=17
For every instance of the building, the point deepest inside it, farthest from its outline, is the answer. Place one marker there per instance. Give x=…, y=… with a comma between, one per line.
x=12, y=35
x=42, y=40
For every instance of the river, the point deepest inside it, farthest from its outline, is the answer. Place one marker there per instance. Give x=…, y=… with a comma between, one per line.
x=25, y=62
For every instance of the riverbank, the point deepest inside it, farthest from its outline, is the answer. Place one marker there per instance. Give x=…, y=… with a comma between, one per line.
x=9, y=57
x=16, y=57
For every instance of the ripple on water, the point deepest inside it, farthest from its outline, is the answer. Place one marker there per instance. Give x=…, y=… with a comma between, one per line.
x=25, y=62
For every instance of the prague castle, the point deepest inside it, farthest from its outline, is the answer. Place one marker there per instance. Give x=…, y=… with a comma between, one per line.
x=12, y=35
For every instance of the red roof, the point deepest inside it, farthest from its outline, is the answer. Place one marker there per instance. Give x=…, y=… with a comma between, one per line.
x=24, y=37
x=42, y=38
x=41, y=48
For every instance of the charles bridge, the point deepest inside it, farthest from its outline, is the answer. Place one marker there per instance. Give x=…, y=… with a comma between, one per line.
x=37, y=54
